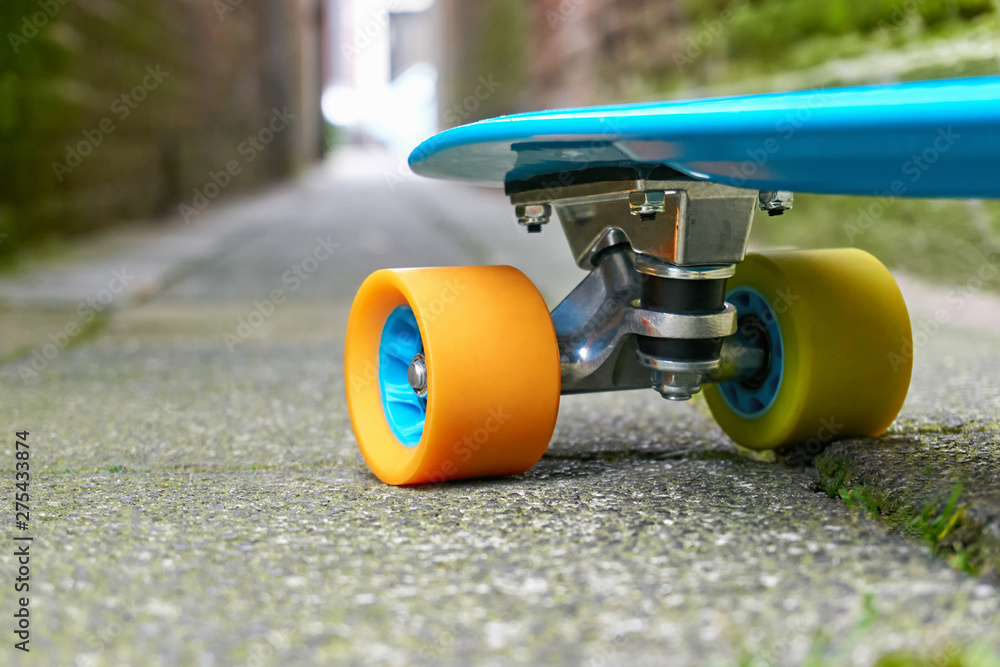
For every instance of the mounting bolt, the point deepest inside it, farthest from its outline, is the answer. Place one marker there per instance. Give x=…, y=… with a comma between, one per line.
x=416, y=375
x=677, y=386
x=775, y=202
x=647, y=203
x=533, y=216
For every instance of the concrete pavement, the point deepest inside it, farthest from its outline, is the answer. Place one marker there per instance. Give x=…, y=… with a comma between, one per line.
x=198, y=497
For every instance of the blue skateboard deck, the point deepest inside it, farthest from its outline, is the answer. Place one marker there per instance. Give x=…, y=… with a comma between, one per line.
x=923, y=139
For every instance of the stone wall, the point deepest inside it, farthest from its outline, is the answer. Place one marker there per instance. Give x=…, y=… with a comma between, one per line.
x=553, y=53
x=115, y=110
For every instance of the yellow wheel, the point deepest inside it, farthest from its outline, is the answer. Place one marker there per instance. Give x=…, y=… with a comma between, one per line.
x=451, y=373
x=837, y=336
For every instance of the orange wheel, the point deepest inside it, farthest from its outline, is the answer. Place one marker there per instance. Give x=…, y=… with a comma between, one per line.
x=478, y=342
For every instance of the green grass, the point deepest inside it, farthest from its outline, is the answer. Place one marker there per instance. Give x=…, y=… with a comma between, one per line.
x=861, y=498
x=931, y=525
x=40, y=250
x=825, y=651
x=946, y=241
x=768, y=36
x=88, y=331
x=936, y=529
x=976, y=655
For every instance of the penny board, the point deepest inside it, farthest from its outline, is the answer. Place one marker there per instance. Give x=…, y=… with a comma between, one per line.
x=921, y=139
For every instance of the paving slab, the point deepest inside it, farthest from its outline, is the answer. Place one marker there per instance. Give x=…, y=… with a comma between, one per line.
x=200, y=501
x=947, y=439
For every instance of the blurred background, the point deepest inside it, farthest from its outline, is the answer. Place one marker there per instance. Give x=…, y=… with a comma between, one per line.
x=120, y=112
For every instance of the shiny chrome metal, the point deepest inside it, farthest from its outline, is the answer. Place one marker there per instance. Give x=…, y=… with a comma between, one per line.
x=593, y=320
x=647, y=203
x=702, y=366
x=416, y=375
x=743, y=357
x=609, y=239
x=775, y=202
x=676, y=379
x=676, y=325
x=699, y=232
x=657, y=267
x=701, y=224
x=589, y=322
x=619, y=371
x=677, y=386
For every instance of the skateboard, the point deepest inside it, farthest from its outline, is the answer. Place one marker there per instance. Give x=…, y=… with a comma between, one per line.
x=457, y=372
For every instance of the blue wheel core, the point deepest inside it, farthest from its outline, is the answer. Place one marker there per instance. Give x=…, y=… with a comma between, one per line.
x=404, y=410
x=746, y=401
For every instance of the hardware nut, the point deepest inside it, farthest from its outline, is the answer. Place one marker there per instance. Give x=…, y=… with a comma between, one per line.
x=647, y=202
x=533, y=214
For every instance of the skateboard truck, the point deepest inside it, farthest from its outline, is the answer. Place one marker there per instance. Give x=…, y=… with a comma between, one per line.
x=779, y=343
x=659, y=248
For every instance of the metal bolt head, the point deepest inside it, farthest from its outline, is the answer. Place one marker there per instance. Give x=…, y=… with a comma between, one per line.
x=647, y=203
x=677, y=386
x=416, y=375
x=775, y=202
x=533, y=215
